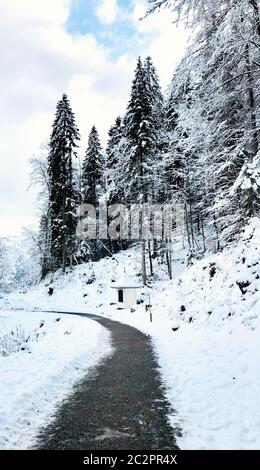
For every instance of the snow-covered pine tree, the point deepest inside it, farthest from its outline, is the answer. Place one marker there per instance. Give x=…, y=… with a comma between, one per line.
x=114, y=191
x=155, y=92
x=63, y=197
x=93, y=170
x=140, y=139
x=113, y=161
x=157, y=188
x=158, y=125
x=141, y=132
x=92, y=186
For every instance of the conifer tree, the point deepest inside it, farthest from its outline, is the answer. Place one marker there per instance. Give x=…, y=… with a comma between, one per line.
x=113, y=161
x=114, y=190
x=92, y=186
x=158, y=128
x=140, y=138
x=63, y=198
x=155, y=93
x=141, y=130
x=93, y=170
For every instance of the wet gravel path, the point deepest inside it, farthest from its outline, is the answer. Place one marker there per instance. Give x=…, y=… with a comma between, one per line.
x=121, y=404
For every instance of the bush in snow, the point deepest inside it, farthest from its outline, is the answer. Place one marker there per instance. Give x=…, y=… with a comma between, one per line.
x=17, y=339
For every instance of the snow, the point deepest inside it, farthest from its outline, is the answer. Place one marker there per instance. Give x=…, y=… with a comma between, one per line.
x=205, y=332
x=19, y=263
x=212, y=383
x=125, y=282
x=35, y=381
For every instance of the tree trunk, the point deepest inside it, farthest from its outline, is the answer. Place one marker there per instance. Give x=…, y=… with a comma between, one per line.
x=155, y=248
x=191, y=221
x=144, y=263
x=202, y=231
x=217, y=232
x=150, y=258
x=187, y=226
x=169, y=257
x=63, y=234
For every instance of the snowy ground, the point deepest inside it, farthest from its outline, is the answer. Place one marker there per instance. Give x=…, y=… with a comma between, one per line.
x=55, y=352
x=210, y=365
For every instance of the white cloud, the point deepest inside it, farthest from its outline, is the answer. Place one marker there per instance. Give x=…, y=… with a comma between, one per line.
x=36, y=11
x=163, y=40
x=107, y=11
x=39, y=61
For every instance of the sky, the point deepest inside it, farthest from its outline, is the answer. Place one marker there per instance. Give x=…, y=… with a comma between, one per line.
x=85, y=48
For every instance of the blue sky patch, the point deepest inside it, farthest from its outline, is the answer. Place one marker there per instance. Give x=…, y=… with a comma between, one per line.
x=119, y=37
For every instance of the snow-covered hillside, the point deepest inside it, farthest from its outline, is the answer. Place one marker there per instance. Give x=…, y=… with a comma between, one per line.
x=205, y=331
x=210, y=364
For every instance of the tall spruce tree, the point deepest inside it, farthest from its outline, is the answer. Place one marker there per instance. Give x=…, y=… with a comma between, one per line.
x=113, y=161
x=158, y=124
x=93, y=170
x=173, y=157
x=141, y=125
x=92, y=186
x=114, y=191
x=154, y=90
x=134, y=143
x=62, y=203
x=140, y=135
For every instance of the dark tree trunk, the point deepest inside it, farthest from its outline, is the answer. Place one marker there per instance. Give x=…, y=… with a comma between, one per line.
x=63, y=263
x=150, y=258
x=144, y=263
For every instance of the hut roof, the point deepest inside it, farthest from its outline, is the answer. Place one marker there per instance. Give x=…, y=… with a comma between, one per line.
x=125, y=282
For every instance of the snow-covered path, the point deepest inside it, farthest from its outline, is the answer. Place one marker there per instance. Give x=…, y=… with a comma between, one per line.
x=121, y=405
x=36, y=379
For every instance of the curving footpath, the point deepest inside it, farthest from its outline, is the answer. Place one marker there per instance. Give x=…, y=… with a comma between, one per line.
x=121, y=404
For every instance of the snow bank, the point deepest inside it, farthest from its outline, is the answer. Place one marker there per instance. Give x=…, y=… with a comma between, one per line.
x=35, y=380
